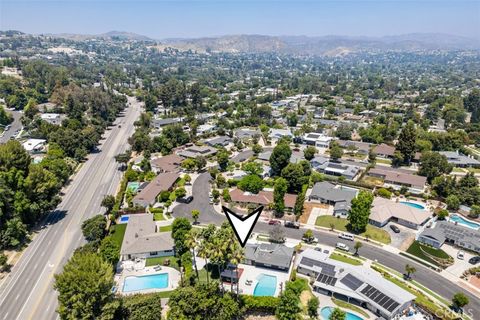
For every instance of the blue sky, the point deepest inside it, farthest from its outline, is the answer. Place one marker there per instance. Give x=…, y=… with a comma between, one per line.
x=163, y=19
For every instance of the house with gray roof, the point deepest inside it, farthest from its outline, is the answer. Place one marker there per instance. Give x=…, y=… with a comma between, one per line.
x=358, y=285
x=197, y=151
x=158, y=123
x=269, y=255
x=460, y=160
x=445, y=231
x=142, y=241
x=337, y=196
x=326, y=166
x=219, y=141
x=246, y=134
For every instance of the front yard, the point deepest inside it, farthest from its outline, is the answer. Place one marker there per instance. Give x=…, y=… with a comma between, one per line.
x=436, y=257
x=346, y=259
x=340, y=224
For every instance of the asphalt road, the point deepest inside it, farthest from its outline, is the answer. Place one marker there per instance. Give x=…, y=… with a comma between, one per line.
x=27, y=293
x=423, y=275
x=14, y=126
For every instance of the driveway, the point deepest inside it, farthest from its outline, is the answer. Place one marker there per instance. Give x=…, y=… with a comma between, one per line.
x=401, y=240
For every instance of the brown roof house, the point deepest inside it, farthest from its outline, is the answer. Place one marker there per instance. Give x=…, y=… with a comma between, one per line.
x=170, y=163
x=162, y=182
x=142, y=241
x=385, y=210
x=262, y=198
x=397, y=178
x=384, y=150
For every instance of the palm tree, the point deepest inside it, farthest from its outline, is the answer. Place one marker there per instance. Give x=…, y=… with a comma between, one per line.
x=236, y=256
x=217, y=254
x=204, y=252
x=409, y=270
x=191, y=242
x=357, y=246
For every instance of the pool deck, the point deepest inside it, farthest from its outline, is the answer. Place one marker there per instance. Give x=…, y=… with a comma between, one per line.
x=253, y=273
x=173, y=278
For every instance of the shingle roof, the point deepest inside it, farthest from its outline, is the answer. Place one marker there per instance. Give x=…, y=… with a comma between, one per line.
x=269, y=253
x=400, y=177
x=384, y=209
x=162, y=182
x=329, y=192
x=167, y=163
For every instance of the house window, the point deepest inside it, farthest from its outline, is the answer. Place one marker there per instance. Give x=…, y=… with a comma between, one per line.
x=154, y=253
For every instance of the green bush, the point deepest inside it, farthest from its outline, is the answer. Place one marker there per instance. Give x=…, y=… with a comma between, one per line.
x=259, y=304
x=384, y=193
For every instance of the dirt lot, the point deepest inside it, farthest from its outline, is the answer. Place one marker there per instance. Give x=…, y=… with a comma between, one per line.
x=307, y=209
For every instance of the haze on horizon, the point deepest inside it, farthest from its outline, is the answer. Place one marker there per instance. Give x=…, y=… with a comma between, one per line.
x=203, y=18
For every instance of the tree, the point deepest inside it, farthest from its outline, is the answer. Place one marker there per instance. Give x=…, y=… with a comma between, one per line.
x=409, y=270
x=84, y=287
x=288, y=306
x=222, y=159
x=109, y=250
x=475, y=211
x=180, y=229
x=180, y=192
x=372, y=156
x=308, y=235
x=187, y=178
x=295, y=176
x=15, y=233
x=188, y=164
x=406, y=141
x=195, y=215
x=452, y=201
x=398, y=159
x=277, y=234
x=279, y=190
x=251, y=183
x=108, y=202
x=3, y=262
x=93, y=229
x=336, y=152
x=442, y=214
x=309, y=152
x=299, y=202
x=460, y=300
x=360, y=211
x=142, y=307
x=384, y=193
x=312, y=307
x=433, y=164
x=357, y=247
x=280, y=158
x=337, y=314
x=252, y=167
x=200, y=163
x=191, y=241
x=256, y=148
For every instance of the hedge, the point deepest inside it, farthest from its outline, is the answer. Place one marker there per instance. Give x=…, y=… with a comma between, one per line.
x=259, y=304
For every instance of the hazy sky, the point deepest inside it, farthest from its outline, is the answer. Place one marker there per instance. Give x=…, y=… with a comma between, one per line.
x=195, y=18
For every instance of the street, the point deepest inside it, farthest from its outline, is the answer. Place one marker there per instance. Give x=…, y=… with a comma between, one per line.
x=427, y=277
x=27, y=293
x=15, y=126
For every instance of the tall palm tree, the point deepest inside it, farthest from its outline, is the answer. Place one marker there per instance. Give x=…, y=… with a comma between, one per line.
x=204, y=252
x=236, y=256
x=191, y=242
x=218, y=255
x=409, y=270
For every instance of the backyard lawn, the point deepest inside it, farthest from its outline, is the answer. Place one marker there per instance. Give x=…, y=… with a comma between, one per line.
x=160, y=260
x=343, y=258
x=340, y=224
x=117, y=232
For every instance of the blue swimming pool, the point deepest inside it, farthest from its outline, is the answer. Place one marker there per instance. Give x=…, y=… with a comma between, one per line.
x=465, y=222
x=413, y=205
x=328, y=310
x=266, y=286
x=152, y=281
x=124, y=219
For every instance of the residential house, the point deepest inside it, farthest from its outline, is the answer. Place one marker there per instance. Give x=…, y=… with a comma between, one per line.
x=269, y=255
x=169, y=163
x=398, y=178
x=162, y=182
x=263, y=198
x=197, y=151
x=385, y=210
x=460, y=160
x=384, y=150
x=206, y=128
x=358, y=285
x=246, y=134
x=141, y=240
x=317, y=139
x=280, y=133
x=337, y=196
x=219, y=141
x=159, y=123
x=326, y=166
x=35, y=145
x=360, y=147
x=53, y=118
x=443, y=231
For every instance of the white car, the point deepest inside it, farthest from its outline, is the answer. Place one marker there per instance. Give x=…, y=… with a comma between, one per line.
x=313, y=240
x=342, y=246
x=461, y=255
x=346, y=236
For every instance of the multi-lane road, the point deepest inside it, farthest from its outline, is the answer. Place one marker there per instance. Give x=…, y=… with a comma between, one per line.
x=15, y=127
x=27, y=293
x=423, y=275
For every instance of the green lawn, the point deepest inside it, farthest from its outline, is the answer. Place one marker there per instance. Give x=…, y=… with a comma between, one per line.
x=346, y=305
x=343, y=258
x=166, y=228
x=385, y=161
x=340, y=224
x=160, y=260
x=416, y=250
x=158, y=216
x=117, y=232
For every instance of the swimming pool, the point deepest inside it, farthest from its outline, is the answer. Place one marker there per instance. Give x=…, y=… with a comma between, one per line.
x=152, y=281
x=326, y=311
x=266, y=286
x=124, y=219
x=460, y=220
x=413, y=205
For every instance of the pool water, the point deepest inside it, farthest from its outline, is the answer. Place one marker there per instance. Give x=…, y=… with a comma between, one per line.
x=465, y=222
x=266, y=286
x=153, y=281
x=413, y=205
x=328, y=310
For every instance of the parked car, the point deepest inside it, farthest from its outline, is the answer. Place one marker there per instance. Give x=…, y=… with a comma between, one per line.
x=292, y=224
x=474, y=260
x=310, y=240
x=394, y=228
x=342, y=246
x=186, y=199
x=346, y=236
x=461, y=255
x=274, y=222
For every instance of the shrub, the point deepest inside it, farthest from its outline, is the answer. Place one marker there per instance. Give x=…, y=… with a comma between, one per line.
x=384, y=193
x=259, y=304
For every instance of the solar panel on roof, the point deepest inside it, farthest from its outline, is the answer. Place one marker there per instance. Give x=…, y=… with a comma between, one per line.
x=324, y=278
x=379, y=298
x=351, y=281
x=326, y=268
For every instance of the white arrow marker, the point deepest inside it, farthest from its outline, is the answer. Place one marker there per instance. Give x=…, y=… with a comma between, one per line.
x=242, y=225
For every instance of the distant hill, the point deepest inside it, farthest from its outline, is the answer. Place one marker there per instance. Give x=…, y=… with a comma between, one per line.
x=111, y=35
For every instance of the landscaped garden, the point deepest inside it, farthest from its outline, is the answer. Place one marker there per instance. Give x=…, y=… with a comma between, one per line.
x=346, y=259
x=435, y=256
x=341, y=224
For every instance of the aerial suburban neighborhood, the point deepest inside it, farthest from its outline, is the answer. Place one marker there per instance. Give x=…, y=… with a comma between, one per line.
x=121, y=154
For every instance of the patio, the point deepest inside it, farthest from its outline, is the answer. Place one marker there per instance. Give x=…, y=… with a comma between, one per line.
x=250, y=274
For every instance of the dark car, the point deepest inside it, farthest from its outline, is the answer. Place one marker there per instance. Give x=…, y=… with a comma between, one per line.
x=274, y=222
x=292, y=224
x=186, y=199
x=394, y=228
x=474, y=260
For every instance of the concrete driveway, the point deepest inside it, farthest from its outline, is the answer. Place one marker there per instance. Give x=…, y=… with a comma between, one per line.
x=400, y=240
x=459, y=265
